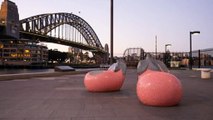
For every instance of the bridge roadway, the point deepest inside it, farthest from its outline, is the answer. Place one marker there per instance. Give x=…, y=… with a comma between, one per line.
x=65, y=98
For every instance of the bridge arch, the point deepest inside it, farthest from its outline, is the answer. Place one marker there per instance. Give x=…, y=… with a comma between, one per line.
x=41, y=25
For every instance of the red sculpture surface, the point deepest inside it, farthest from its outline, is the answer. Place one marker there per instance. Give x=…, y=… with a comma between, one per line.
x=157, y=87
x=106, y=81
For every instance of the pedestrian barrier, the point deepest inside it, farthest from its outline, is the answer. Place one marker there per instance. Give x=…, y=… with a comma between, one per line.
x=205, y=73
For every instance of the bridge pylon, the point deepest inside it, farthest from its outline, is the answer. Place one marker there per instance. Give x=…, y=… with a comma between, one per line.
x=9, y=20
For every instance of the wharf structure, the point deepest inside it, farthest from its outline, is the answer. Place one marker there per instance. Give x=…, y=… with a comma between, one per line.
x=201, y=58
x=14, y=50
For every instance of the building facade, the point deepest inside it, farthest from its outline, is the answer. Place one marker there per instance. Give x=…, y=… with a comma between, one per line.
x=13, y=50
x=22, y=53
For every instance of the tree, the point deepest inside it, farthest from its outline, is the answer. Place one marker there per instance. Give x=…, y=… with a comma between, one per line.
x=58, y=56
x=86, y=56
x=71, y=57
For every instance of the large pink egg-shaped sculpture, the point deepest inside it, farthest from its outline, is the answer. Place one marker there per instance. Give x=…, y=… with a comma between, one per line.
x=104, y=81
x=156, y=88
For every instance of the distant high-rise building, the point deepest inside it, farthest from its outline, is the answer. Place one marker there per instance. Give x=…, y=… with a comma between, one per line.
x=106, y=48
x=70, y=50
x=74, y=50
x=9, y=20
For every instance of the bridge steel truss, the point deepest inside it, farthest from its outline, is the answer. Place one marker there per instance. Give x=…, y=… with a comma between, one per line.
x=37, y=28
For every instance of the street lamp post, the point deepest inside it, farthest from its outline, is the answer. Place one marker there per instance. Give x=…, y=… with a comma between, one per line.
x=190, y=52
x=111, y=32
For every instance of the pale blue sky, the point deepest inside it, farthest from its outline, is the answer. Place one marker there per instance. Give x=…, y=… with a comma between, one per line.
x=136, y=22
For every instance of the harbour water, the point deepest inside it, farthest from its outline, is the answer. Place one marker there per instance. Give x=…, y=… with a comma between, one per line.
x=20, y=71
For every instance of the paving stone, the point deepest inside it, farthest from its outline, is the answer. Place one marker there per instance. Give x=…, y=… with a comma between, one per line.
x=65, y=98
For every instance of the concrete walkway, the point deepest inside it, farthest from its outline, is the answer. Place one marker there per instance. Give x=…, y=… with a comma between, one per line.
x=65, y=98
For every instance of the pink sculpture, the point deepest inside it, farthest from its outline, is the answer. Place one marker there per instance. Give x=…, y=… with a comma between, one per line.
x=106, y=81
x=155, y=86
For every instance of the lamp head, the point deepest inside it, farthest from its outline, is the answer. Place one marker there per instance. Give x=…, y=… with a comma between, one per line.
x=195, y=32
x=168, y=45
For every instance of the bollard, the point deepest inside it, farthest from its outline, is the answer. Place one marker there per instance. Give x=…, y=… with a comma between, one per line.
x=206, y=73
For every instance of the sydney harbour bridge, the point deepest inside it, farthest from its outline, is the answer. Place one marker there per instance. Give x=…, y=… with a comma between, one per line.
x=60, y=28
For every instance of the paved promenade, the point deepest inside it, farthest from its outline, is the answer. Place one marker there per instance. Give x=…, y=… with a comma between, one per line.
x=65, y=98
